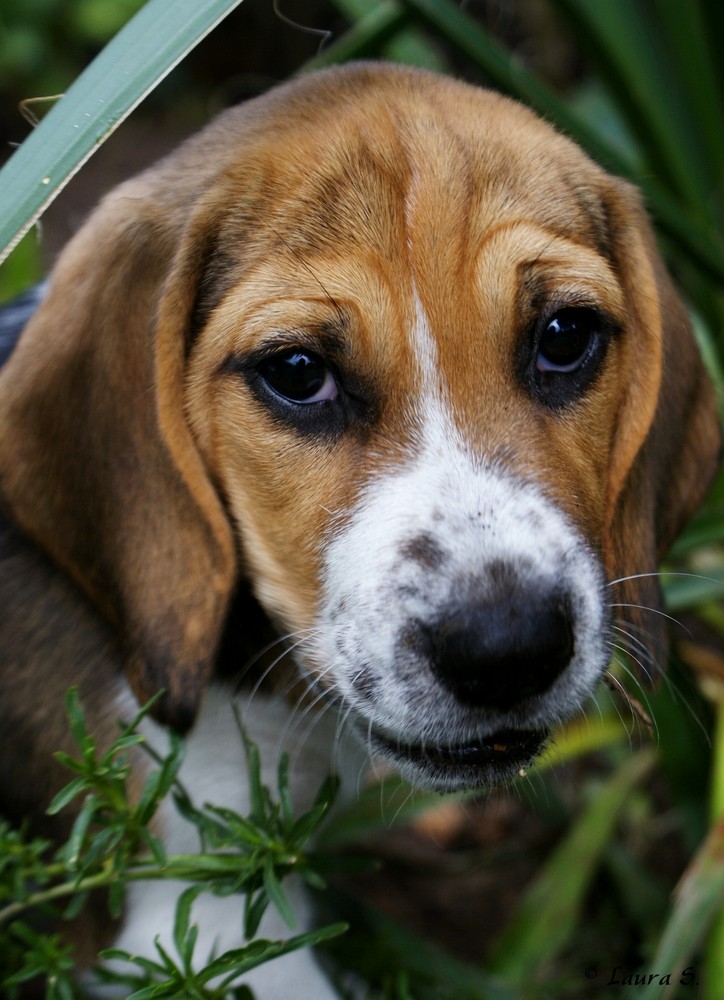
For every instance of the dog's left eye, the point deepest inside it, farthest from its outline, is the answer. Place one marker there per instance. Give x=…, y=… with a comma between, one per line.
x=568, y=349
x=298, y=376
x=566, y=340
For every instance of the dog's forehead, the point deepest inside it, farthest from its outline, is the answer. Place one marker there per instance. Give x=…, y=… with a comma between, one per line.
x=437, y=166
x=447, y=196
x=427, y=222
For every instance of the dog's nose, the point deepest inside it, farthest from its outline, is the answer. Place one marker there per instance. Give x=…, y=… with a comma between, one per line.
x=498, y=653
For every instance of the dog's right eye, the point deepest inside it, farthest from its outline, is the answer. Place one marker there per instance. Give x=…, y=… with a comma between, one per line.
x=298, y=376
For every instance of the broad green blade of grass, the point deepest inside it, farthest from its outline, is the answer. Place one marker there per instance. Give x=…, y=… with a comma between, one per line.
x=714, y=953
x=629, y=48
x=580, y=737
x=697, y=53
x=127, y=69
x=550, y=912
x=686, y=591
x=23, y=268
x=699, y=900
x=712, y=15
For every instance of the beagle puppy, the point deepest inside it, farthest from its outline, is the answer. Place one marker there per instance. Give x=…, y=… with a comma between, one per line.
x=378, y=366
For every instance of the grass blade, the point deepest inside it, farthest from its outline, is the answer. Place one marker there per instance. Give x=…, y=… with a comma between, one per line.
x=550, y=912
x=699, y=900
x=628, y=45
x=129, y=67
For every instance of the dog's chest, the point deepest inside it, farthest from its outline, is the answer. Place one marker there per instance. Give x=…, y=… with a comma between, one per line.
x=215, y=771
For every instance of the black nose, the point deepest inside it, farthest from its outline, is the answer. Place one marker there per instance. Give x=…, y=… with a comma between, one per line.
x=498, y=653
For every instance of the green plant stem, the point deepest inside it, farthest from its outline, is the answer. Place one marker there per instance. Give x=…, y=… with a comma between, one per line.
x=180, y=867
x=714, y=952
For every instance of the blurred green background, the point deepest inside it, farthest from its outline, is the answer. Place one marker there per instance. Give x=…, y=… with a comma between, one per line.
x=546, y=890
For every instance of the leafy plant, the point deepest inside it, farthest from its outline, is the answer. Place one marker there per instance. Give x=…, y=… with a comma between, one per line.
x=111, y=844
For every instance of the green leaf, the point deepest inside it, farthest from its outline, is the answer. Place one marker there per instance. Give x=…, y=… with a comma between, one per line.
x=118, y=955
x=182, y=922
x=242, y=960
x=365, y=37
x=73, y=707
x=699, y=901
x=285, y=800
x=626, y=41
x=66, y=795
x=77, y=837
x=687, y=590
x=23, y=268
x=254, y=909
x=276, y=894
x=550, y=911
x=258, y=797
x=310, y=822
x=155, y=846
x=384, y=29
x=127, y=69
x=76, y=904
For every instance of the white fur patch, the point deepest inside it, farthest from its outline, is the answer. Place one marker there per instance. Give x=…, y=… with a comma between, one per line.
x=478, y=514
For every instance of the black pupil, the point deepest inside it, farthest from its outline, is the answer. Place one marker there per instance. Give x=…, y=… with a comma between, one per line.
x=294, y=374
x=566, y=338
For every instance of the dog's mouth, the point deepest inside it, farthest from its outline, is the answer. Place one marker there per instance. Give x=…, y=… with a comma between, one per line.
x=482, y=761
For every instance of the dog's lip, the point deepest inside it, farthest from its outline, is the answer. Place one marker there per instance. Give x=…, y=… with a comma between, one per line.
x=505, y=747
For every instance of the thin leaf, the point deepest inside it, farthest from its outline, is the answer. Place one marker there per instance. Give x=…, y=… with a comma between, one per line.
x=73, y=707
x=627, y=44
x=285, y=799
x=118, y=955
x=395, y=38
x=182, y=921
x=130, y=66
x=66, y=795
x=242, y=960
x=257, y=796
x=276, y=894
x=255, y=906
x=155, y=846
x=80, y=829
x=699, y=900
x=116, y=899
x=76, y=904
x=550, y=911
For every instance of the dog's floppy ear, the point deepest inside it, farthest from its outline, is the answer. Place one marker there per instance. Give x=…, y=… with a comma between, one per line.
x=97, y=463
x=667, y=438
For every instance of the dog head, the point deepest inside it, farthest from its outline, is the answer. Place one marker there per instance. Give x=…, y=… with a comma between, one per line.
x=394, y=353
